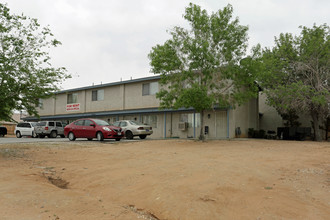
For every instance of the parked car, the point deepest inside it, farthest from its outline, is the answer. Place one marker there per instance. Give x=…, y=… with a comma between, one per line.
x=50, y=129
x=25, y=129
x=3, y=131
x=92, y=128
x=134, y=128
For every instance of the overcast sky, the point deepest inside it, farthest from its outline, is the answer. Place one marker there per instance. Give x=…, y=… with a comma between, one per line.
x=109, y=40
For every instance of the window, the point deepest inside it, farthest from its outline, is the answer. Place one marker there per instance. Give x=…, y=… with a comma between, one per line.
x=101, y=122
x=43, y=123
x=58, y=124
x=98, y=95
x=51, y=124
x=40, y=103
x=88, y=123
x=189, y=118
x=123, y=124
x=72, y=98
x=150, y=120
x=79, y=123
x=24, y=125
x=149, y=88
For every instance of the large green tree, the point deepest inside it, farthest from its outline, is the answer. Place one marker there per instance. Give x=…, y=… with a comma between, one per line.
x=26, y=74
x=200, y=67
x=296, y=75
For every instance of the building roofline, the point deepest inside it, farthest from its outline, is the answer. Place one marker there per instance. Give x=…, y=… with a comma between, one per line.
x=110, y=84
x=112, y=113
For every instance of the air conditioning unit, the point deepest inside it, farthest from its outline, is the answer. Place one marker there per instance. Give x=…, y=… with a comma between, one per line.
x=183, y=126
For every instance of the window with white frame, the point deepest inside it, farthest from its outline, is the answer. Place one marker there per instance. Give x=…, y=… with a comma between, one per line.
x=149, y=88
x=150, y=120
x=72, y=98
x=98, y=95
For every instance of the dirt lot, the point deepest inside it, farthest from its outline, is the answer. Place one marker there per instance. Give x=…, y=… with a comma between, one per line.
x=170, y=179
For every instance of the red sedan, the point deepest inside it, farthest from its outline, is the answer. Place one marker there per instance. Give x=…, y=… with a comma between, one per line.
x=92, y=128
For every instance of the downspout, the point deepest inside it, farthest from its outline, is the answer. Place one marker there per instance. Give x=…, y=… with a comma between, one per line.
x=164, y=125
x=228, y=123
x=194, y=124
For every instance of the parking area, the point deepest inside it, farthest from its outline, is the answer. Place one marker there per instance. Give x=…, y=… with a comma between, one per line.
x=13, y=140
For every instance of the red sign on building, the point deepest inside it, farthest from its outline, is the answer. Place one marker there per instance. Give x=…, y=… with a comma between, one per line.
x=73, y=107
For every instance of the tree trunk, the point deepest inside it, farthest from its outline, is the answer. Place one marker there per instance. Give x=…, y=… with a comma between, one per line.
x=316, y=124
x=201, y=135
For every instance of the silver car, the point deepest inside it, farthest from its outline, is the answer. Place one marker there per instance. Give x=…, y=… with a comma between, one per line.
x=134, y=128
x=49, y=128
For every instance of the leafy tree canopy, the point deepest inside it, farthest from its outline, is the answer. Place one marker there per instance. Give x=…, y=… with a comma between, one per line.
x=295, y=74
x=26, y=74
x=202, y=66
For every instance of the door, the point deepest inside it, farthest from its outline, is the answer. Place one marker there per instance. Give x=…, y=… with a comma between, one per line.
x=78, y=128
x=123, y=126
x=25, y=129
x=89, y=129
x=59, y=128
x=221, y=124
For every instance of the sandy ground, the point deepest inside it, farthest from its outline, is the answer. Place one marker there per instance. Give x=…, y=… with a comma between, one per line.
x=165, y=179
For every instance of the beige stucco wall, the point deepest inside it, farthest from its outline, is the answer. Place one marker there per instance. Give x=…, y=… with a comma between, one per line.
x=112, y=100
x=245, y=116
x=270, y=119
x=119, y=97
x=134, y=99
x=48, y=107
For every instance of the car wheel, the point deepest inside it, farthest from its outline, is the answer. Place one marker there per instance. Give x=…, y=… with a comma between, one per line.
x=118, y=139
x=99, y=136
x=34, y=135
x=129, y=135
x=18, y=134
x=89, y=139
x=71, y=136
x=53, y=134
x=143, y=136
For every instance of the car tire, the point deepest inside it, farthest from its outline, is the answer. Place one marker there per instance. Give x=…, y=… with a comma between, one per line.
x=99, y=136
x=53, y=134
x=90, y=139
x=118, y=139
x=71, y=136
x=18, y=134
x=143, y=136
x=129, y=135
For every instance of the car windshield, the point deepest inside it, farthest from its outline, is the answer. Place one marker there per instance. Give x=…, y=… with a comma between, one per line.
x=100, y=122
x=135, y=123
x=33, y=124
x=43, y=123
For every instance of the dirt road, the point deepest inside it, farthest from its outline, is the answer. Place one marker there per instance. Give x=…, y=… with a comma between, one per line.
x=170, y=179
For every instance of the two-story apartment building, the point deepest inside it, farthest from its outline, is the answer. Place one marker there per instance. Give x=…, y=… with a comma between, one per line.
x=136, y=99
